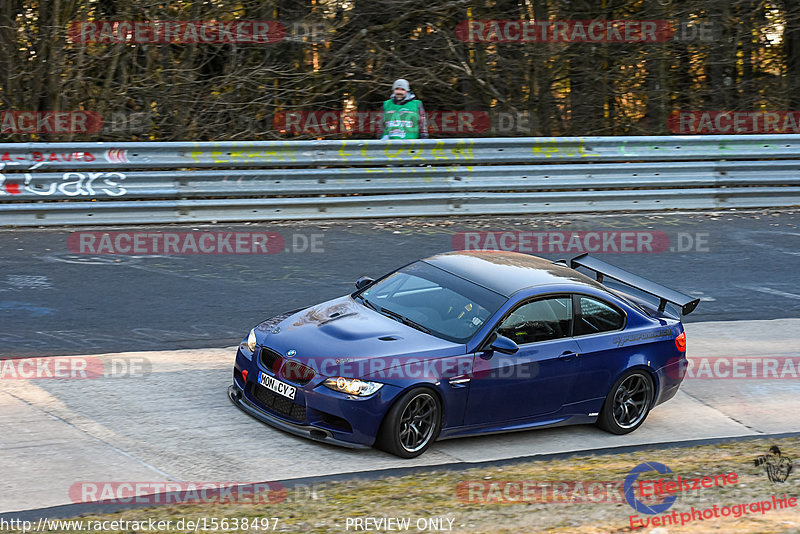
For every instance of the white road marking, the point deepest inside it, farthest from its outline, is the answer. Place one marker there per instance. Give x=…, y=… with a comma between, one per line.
x=770, y=291
x=702, y=296
x=752, y=239
x=24, y=281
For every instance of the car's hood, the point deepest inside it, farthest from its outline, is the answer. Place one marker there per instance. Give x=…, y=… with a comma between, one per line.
x=333, y=337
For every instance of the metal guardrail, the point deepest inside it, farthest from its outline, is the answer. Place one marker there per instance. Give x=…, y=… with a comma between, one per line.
x=31, y=156
x=115, y=183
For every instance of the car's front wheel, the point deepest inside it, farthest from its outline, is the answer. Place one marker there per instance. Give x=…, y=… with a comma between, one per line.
x=412, y=424
x=627, y=404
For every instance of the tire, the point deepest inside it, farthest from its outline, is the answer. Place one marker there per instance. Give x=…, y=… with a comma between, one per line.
x=627, y=403
x=399, y=435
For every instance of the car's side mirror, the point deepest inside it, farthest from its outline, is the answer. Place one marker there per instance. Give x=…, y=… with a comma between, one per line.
x=504, y=345
x=364, y=281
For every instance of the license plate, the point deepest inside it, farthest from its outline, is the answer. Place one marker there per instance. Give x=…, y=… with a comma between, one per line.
x=273, y=384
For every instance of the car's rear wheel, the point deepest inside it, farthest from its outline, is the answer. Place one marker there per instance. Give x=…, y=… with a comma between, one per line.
x=627, y=404
x=412, y=424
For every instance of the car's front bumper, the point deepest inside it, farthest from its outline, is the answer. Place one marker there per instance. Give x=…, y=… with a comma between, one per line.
x=236, y=396
x=316, y=412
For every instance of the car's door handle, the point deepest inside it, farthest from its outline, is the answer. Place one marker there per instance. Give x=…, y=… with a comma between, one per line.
x=459, y=381
x=568, y=355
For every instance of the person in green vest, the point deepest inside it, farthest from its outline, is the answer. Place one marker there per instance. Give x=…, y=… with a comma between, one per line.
x=403, y=114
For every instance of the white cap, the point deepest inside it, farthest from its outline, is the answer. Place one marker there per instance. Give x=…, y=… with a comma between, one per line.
x=401, y=84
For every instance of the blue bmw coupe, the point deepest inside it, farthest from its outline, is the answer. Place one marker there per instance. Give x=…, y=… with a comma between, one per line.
x=466, y=343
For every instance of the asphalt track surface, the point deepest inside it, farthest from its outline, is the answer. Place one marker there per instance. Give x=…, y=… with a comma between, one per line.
x=743, y=265
x=175, y=423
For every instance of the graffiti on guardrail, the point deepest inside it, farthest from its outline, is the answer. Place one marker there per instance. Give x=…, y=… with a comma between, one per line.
x=116, y=155
x=425, y=176
x=440, y=151
x=36, y=157
x=71, y=184
x=407, y=150
x=557, y=147
x=276, y=154
x=112, y=155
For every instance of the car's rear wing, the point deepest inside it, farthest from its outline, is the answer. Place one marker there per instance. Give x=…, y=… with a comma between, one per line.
x=602, y=270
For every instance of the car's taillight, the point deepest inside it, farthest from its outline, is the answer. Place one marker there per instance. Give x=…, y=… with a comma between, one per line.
x=680, y=342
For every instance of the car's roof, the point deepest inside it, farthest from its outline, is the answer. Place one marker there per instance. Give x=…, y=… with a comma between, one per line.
x=507, y=272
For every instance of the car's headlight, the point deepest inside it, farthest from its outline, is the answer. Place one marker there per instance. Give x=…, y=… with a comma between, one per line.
x=353, y=386
x=251, y=340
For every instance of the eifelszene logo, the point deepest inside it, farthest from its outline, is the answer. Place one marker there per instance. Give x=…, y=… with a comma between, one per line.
x=652, y=491
x=630, y=484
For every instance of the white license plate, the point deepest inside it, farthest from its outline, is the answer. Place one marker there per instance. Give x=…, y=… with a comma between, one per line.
x=273, y=384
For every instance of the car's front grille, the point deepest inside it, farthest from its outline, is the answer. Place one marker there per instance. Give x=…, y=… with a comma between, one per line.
x=290, y=370
x=297, y=372
x=278, y=403
x=271, y=359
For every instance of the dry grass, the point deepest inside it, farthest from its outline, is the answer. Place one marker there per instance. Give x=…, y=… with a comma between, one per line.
x=326, y=507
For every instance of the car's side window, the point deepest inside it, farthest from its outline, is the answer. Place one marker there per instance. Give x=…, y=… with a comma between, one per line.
x=595, y=316
x=538, y=320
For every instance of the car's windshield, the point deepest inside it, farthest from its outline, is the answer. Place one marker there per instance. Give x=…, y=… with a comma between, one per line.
x=434, y=301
